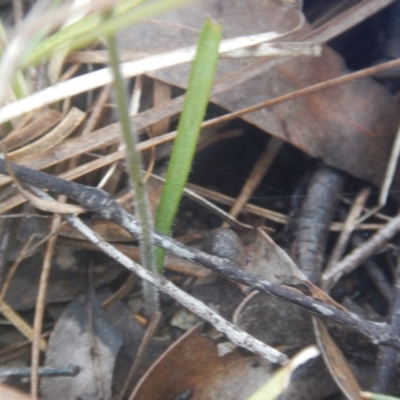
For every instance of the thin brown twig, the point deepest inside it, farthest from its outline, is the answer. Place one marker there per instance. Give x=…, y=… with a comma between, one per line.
x=108, y=159
x=211, y=141
x=111, y=133
x=150, y=167
x=92, y=121
x=148, y=336
x=20, y=323
x=133, y=110
x=264, y=212
x=15, y=350
x=98, y=201
x=261, y=167
x=388, y=177
x=304, y=92
x=14, y=268
x=97, y=109
x=348, y=227
x=361, y=253
x=172, y=263
x=227, y=218
x=122, y=291
x=40, y=305
x=162, y=93
x=71, y=71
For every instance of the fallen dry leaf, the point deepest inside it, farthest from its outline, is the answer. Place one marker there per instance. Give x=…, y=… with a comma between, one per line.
x=336, y=362
x=350, y=126
x=270, y=261
x=67, y=278
x=83, y=337
x=193, y=367
x=274, y=321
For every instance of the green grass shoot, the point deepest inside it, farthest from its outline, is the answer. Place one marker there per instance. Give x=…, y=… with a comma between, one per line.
x=196, y=100
x=94, y=26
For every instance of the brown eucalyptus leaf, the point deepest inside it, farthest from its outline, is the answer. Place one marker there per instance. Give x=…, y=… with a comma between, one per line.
x=84, y=337
x=192, y=367
x=336, y=362
x=67, y=277
x=132, y=334
x=219, y=294
x=271, y=262
x=351, y=126
x=288, y=327
x=274, y=321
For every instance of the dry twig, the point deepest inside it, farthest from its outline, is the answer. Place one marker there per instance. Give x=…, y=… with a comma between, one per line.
x=98, y=201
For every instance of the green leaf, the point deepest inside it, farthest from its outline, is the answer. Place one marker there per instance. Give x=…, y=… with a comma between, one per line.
x=94, y=26
x=194, y=108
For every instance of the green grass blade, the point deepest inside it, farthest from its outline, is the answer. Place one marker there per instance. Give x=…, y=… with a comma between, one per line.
x=196, y=99
x=91, y=28
x=377, y=396
x=65, y=35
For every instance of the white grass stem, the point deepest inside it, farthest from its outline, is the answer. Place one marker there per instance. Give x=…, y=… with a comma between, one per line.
x=102, y=77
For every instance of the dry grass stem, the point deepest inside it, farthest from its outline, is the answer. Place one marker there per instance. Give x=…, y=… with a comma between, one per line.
x=14, y=267
x=388, y=178
x=148, y=336
x=20, y=323
x=58, y=134
x=348, y=227
x=103, y=77
x=41, y=304
x=35, y=128
x=361, y=253
x=262, y=166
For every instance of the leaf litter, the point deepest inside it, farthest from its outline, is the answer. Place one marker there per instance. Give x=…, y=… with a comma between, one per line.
x=350, y=127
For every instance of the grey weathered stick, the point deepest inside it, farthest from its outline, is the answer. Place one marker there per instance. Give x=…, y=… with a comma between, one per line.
x=62, y=370
x=233, y=333
x=388, y=357
x=311, y=224
x=98, y=201
x=366, y=250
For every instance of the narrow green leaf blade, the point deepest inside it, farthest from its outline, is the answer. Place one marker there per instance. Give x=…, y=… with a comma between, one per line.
x=91, y=28
x=196, y=99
